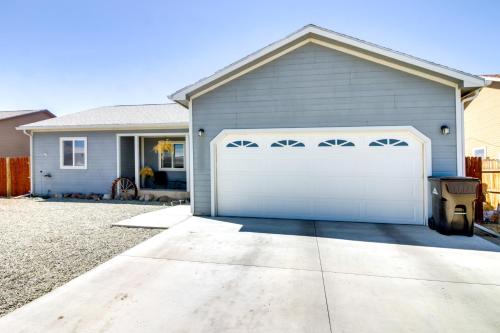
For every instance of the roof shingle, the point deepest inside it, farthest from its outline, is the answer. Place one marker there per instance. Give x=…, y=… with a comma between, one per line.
x=119, y=116
x=11, y=114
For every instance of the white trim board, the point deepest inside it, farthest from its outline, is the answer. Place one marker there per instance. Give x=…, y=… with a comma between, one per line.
x=103, y=128
x=460, y=133
x=426, y=146
x=191, y=157
x=309, y=32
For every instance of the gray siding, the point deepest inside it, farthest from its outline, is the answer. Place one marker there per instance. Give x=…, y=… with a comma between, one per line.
x=316, y=87
x=101, y=162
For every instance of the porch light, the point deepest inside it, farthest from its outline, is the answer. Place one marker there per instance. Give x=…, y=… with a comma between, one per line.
x=445, y=130
x=201, y=132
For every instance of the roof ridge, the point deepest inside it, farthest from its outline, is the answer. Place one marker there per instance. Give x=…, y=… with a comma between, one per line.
x=145, y=104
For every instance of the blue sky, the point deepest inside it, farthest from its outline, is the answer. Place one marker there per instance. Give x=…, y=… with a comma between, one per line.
x=68, y=56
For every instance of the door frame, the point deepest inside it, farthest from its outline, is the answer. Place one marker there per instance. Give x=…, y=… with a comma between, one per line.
x=424, y=140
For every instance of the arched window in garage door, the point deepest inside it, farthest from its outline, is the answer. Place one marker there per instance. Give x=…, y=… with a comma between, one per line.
x=388, y=142
x=288, y=143
x=242, y=143
x=336, y=142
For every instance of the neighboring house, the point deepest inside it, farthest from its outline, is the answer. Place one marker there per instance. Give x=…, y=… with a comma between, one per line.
x=320, y=125
x=13, y=142
x=482, y=121
x=85, y=151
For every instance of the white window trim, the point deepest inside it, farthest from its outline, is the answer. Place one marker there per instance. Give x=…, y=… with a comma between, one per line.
x=172, y=157
x=479, y=148
x=61, y=153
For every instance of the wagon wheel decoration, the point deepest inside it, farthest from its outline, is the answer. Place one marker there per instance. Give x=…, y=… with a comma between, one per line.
x=123, y=188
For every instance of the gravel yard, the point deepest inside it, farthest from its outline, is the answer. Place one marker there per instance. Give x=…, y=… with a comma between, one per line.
x=46, y=243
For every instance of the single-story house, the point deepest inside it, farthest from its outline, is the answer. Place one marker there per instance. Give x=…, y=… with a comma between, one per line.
x=318, y=125
x=482, y=121
x=85, y=151
x=323, y=126
x=13, y=142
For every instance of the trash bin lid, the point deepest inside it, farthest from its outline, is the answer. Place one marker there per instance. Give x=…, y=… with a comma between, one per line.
x=454, y=178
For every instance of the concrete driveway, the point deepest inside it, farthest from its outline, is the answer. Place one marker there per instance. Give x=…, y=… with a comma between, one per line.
x=258, y=275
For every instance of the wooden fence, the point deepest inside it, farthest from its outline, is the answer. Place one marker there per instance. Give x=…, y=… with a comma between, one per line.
x=491, y=177
x=14, y=176
x=473, y=168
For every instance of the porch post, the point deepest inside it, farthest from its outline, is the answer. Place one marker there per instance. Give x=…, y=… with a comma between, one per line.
x=118, y=156
x=136, y=159
x=188, y=164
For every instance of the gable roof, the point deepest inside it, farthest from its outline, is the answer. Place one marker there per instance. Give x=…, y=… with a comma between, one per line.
x=147, y=116
x=314, y=34
x=18, y=113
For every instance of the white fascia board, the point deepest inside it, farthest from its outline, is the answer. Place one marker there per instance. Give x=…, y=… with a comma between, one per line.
x=101, y=127
x=467, y=79
x=491, y=78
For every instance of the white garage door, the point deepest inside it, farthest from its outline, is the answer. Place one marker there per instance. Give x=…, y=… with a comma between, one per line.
x=344, y=176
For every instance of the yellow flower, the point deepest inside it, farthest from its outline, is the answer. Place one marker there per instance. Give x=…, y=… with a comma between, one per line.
x=162, y=146
x=146, y=172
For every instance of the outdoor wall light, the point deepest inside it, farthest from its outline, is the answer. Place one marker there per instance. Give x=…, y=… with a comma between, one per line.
x=445, y=130
x=201, y=132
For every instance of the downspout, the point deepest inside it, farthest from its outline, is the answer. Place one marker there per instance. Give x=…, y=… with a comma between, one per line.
x=31, y=160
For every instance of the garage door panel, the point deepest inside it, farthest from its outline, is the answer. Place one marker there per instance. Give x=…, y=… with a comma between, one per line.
x=391, y=163
x=341, y=209
x=355, y=183
x=335, y=187
x=388, y=188
x=400, y=212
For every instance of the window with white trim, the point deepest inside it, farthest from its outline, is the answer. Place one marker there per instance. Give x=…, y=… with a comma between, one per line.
x=73, y=152
x=479, y=152
x=173, y=160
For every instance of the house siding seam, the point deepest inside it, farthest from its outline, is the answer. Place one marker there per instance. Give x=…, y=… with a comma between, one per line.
x=314, y=86
x=101, y=162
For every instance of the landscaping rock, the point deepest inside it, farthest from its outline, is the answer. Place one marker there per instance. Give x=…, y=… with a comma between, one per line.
x=149, y=197
x=164, y=198
x=46, y=243
x=95, y=197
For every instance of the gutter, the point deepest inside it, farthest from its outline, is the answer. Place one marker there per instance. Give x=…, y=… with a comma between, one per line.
x=31, y=160
x=166, y=126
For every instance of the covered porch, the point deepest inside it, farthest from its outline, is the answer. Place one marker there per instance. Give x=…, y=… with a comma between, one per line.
x=154, y=170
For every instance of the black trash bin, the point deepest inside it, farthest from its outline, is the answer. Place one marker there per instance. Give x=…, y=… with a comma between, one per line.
x=453, y=205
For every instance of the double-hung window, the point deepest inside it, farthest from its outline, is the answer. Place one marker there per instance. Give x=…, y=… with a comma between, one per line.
x=73, y=153
x=173, y=160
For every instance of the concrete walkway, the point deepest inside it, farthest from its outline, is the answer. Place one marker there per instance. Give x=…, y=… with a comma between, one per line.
x=158, y=219
x=257, y=275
